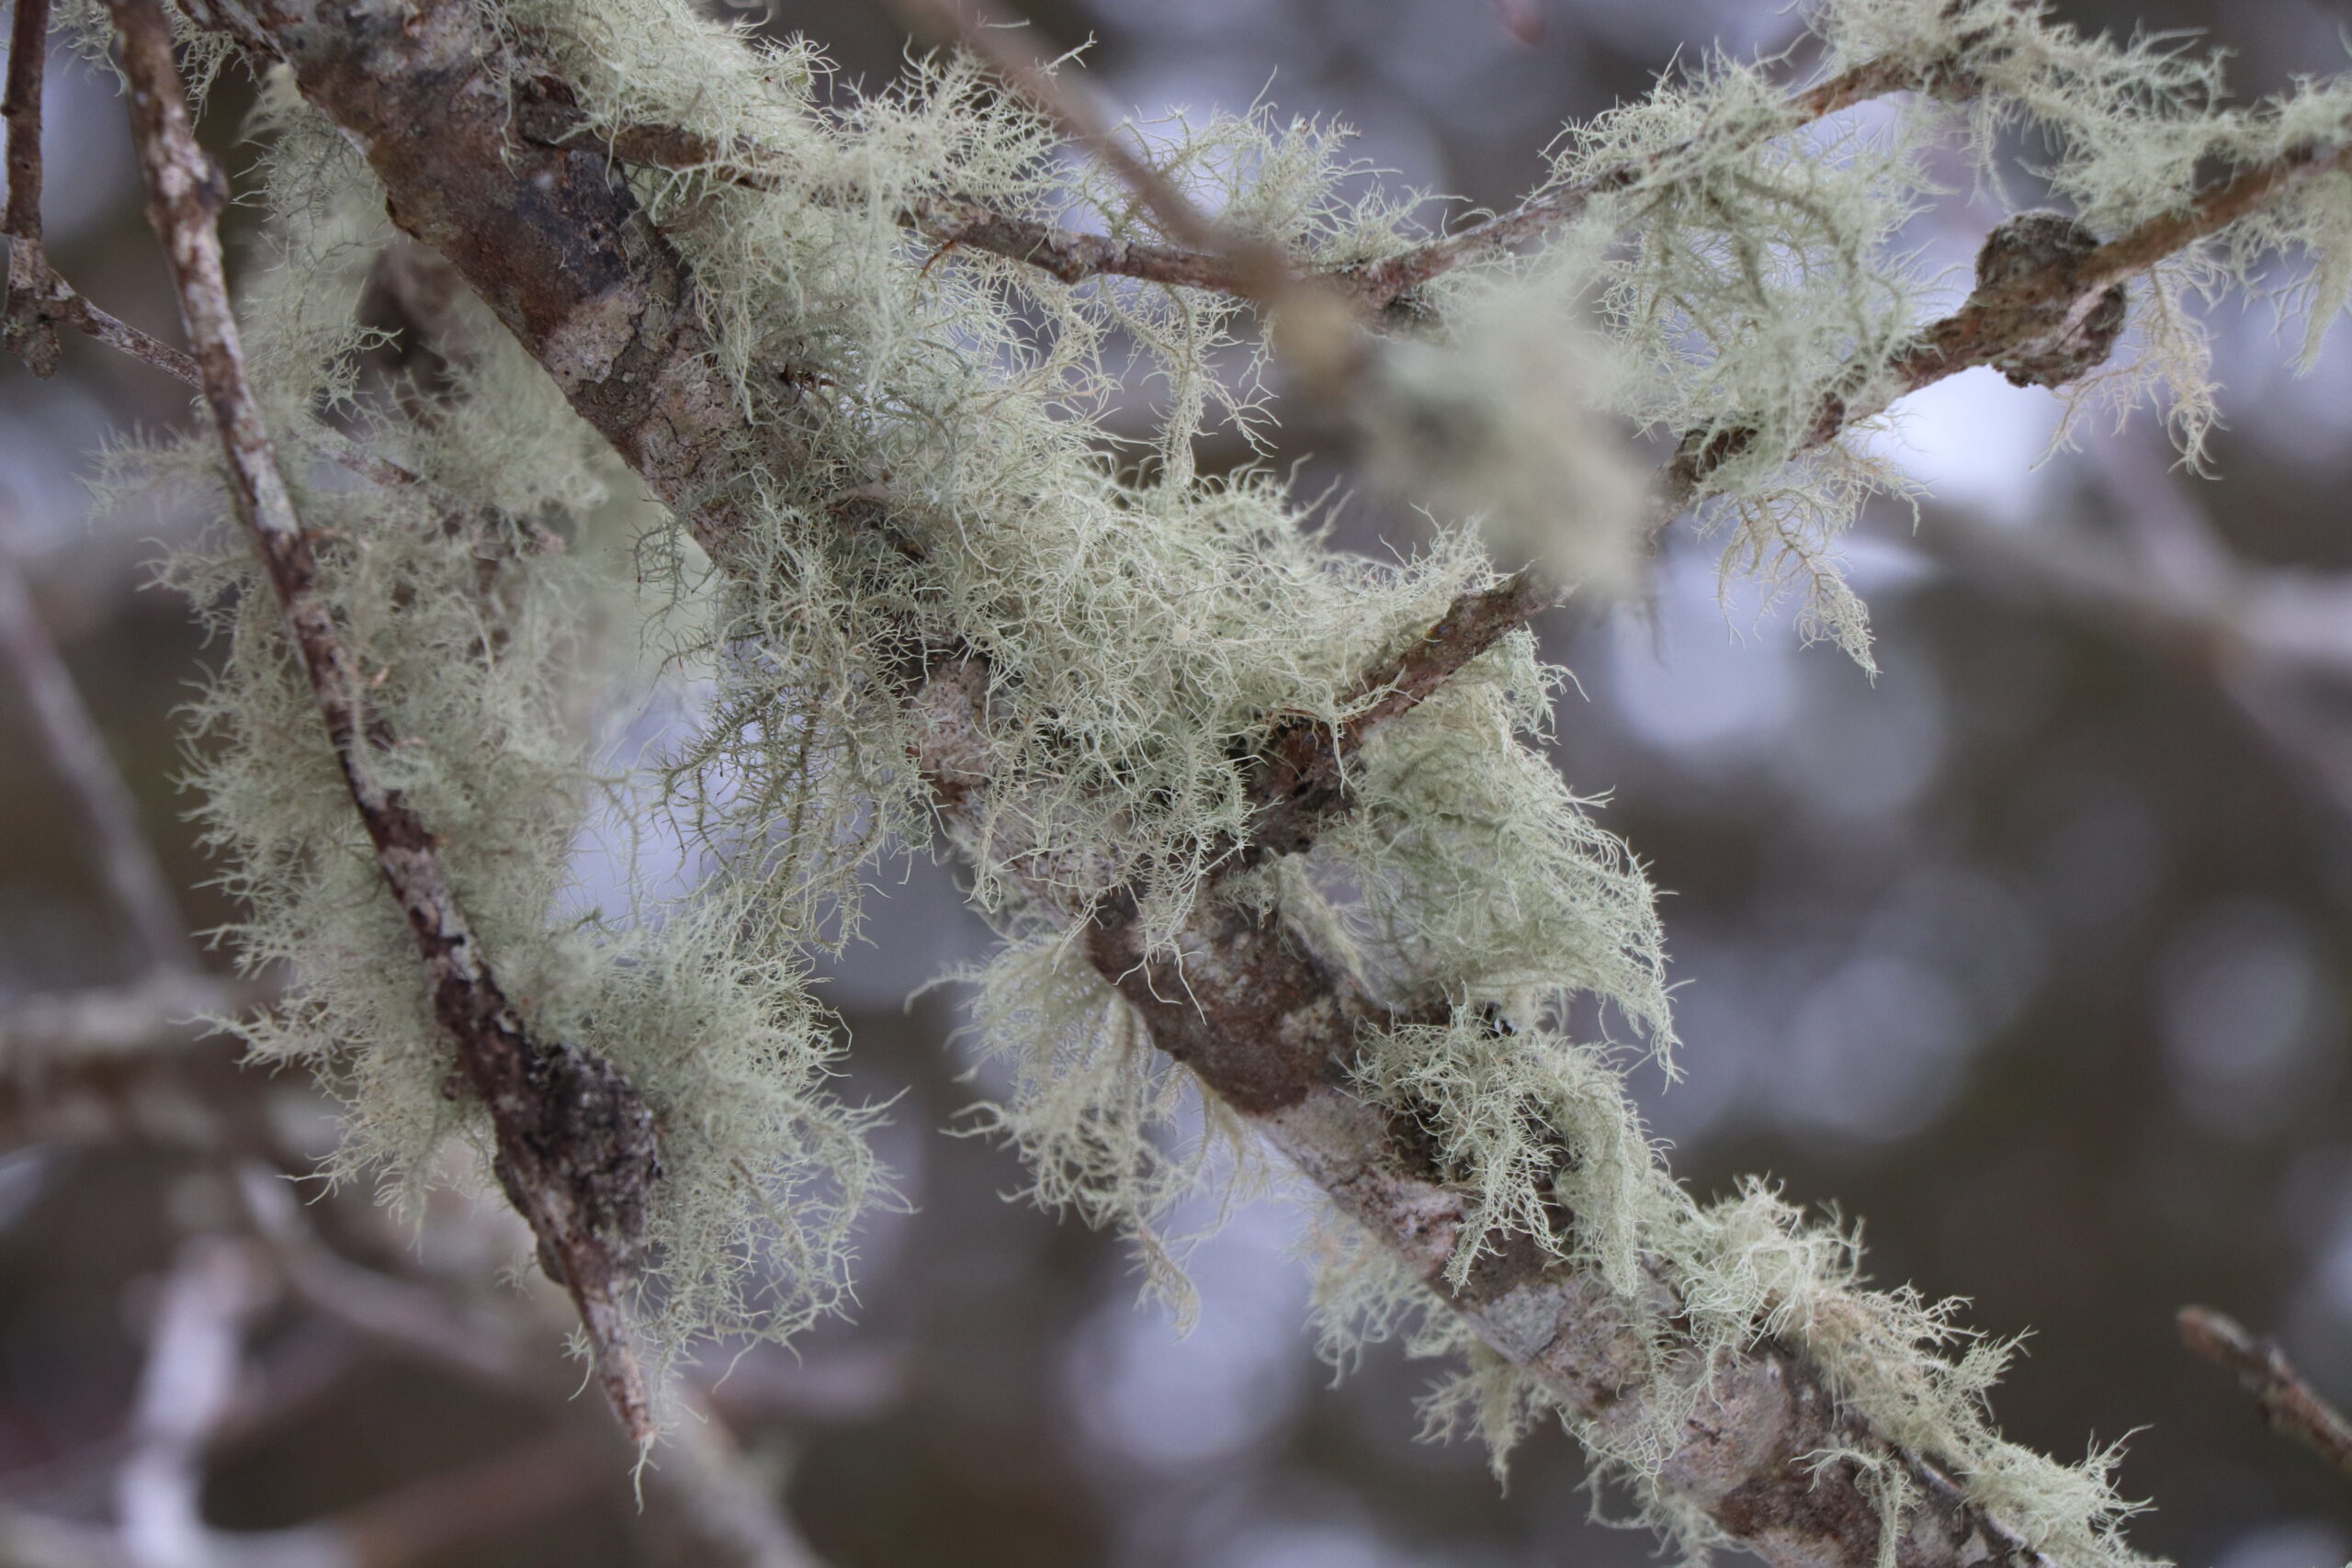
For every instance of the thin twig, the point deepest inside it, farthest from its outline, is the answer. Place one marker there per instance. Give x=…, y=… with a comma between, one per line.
x=119, y=1066
x=985, y=33
x=575, y=1141
x=697, y=1485
x=62, y=302
x=37, y=288
x=1313, y=323
x=2037, y=304
x=185, y=1392
x=61, y=1030
x=1382, y=283
x=100, y=802
x=2287, y=1402
x=28, y=331
x=27, y=53
x=1301, y=777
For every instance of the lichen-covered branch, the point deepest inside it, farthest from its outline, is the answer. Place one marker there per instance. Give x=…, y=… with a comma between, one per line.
x=58, y=301
x=2047, y=319
x=1301, y=777
x=556, y=246
x=575, y=1145
x=940, y=602
x=1381, y=285
x=1378, y=289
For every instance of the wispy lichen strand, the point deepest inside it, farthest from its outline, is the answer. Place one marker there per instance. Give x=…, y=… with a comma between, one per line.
x=483, y=608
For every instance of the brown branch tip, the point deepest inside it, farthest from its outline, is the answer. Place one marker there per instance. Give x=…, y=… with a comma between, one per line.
x=2287, y=1405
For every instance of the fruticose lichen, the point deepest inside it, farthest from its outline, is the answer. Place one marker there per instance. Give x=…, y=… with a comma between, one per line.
x=959, y=483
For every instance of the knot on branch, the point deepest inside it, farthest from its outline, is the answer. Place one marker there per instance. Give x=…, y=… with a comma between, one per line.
x=1296, y=783
x=2059, y=331
x=28, y=321
x=587, y=1141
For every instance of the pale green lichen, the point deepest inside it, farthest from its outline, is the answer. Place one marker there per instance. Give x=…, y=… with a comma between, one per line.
x=1745, y=1272
x=1494, y=415
x=1479, y=875
x=493, y=612
x=1112, y=1131
x=959, y=478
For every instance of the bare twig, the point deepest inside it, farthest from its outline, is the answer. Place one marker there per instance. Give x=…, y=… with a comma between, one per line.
x=2287, y=1402
x=57, y=1031
x=28, y=329
x=99, y=802
x=120, y=1066
x=27, y=53
x=696, y=1486
x=35, y=287
x=575, y=1141
x=185, y=1392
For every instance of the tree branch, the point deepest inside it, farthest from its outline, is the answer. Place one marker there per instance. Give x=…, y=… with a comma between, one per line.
x=28, y=329
x=1381, y=285
x=575, y=1140
x=1380, y=290
x=2046, y=323
x=2059, y=307
x=185, y=1392
x=59, y=301
x=2288, y=1403
x=27, y=53
x=99, y=802
x=697, y=1486
x=1300, y=778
